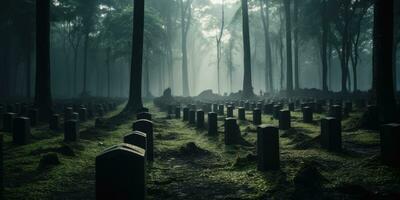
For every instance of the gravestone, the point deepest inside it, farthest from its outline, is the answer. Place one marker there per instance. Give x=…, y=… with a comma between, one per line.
x=83, y=114
x=54, y=122
x=143, y=115
x=212, y=123
x=284, y=120
x=75, y=116
x=256, y=116
x=68, y=113
x=307, y=115
x=146, y=126
x=259, y=105
x=192, y=117
x=71, y=131
x=221, y=109
x=215, y=108
x=170, y=110
x=268, y=108
x=200, y=119
x=232, y=131
x=136, y=138
x=390, y=148
x=277, y=108
x=331, y=134
x=8, y=120
x=336, y=112
x=268, y=148
x=185, y=114
x=121, y=173
x=10, y=108
x=247, y=105
x=229, y=111
x=177, y=112
x=242, y=113
x=21, y=130
x=291, y=107
x=33, y=115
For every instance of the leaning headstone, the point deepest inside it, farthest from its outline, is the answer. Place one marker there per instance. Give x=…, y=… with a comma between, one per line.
x=177, y=112
x=200, y=119
x=221, y=109
x=83, y=114
x=256, y=116
x=284, y=120
x=121, y=173
x=143, y=115
x=185, y=114
x=8, y=120
x=71, y=131
x=146, y=126
x=331, y=134
x=136, y=138
x=54, y=122
x=229, y=111
x=212, y=123
x=242, y=113
x=33, y=116
x=390, y=148
x=192, y=117
x=22, y=130
x=307, y=115
x=232, y=131
x=268, y=148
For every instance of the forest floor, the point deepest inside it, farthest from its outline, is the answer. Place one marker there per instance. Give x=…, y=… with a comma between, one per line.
x=189, y=164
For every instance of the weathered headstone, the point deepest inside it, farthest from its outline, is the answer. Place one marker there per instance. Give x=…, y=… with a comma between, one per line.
x=221, y=109
x=215, y=108
x=229, y=111
x=68, y=113
x=200, y=119
x=242, y=113
x=232, y=131
x=307, y=115
x=185, y=114
x=256, y=116
x=247, y=105
x=83, y=114
x=121, y=173
x=331, y=134
x=54, y=122
x=277, y=108
x=71, y=131
x=336, y=112
x=390, y=147
x=192, y=117
x=284, y=120
x=143, y=115
x=146, y=126
x=136, y=138
x=177, y=112
x=33, y=116
x=268, y=148
x=21, y=130
x=8, y=120
x=212, y=123
x=268, y=108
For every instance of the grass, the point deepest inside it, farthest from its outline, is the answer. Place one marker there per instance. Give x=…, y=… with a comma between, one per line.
x=213, y=171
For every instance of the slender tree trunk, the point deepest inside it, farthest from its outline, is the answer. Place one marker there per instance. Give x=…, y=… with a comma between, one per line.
x=281, y=51
x=85, y=55
x=296, y=45
x=247, y=82
x=325, y=33
x=383, y=52
x=268, y=57
x=289, y=74
x=185, y=24
x=28, y=71
x=43, y=99
x=135, y=89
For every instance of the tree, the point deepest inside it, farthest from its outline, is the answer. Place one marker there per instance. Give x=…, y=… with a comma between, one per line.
x=267, y=45
x=135, y=90
x=247, y=82
x=289, y=74
x=219, y=46
x=296, y=44
x=325, y=29
x=383, y=52
x=186, y=17
x=43, y=99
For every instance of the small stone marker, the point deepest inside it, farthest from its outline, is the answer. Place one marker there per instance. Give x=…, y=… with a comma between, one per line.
x=291, y=107
x=390, y=148
x=229, y=111
x=268, y=148
x=136, y=138
x=212, y=123
x=192, y=117
x=8, y=120
x=331, y=134
x=247, y=105
x=83, y=114
x=177, y=112
x=143, y=115
x=256, y=116
x=307, y=115
x=242, y=113
x=232, y=131
x=22, y=130
x=68, y=113
x=268, y=108
x=276, y=111
x=284, y=120
x=215, y=108
x=121, y=173
x=221, y=109
x=336, y=112
x=146, y=126
x=185, y=114
x=71, y=131
x=54, y=122
x=200, y=119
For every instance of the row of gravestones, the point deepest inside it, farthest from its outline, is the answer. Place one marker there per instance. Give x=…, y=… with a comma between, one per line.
x=121, y=169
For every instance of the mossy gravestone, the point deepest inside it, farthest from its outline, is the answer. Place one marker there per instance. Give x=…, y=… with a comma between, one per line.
x=215, y=108
x=22, y=130
x=277, y=108
x=146, y=126
x=331, y=134
x=268, y=108
x=242, y=113
x=232, y=132
x=390, y=147
x=68, y=113
x=71, y=131
x=307, y=115
x=136, y=138
x=221, y=109
x=83, y=114
x=229, y=111
x=54, y=122
x=256, y=116
x=212, y=123
x=143, y=115
x=121, y=173
x=185, y=114
x=177, y=112
x=336, y=112
x=192, y=117
x=200, y=119
x=284, y=120
x=268, y=148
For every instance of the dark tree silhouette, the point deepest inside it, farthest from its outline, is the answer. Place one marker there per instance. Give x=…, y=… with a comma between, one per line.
x=268, y=57
x=43, y=100
x=289, y=73
x=296, y=44
x=135, y=90
x=186, y=18
x=247, y=83
x=324, y=47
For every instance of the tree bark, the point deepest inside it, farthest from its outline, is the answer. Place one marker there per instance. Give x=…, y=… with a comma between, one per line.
x=247, y=83
x=325, y=33
x=296, y=45
x=267, y=45
x=289, y=73
x=85, y=55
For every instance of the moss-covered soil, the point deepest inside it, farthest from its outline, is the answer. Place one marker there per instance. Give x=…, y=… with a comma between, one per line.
x=191, y=165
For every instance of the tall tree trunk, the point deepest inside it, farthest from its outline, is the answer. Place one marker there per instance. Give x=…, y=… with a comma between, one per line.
x=268, y=57
x=247, y=82
x=43, y=99
x=281, y=51
x=383, y=52
x=289, y=74
x=185, y=24
x=28, y=70
x=135, y=89
x=85, y=55
x=325, y=33
x=296, y=45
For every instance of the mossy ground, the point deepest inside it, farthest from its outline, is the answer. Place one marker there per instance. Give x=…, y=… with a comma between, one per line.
x=214, y=171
